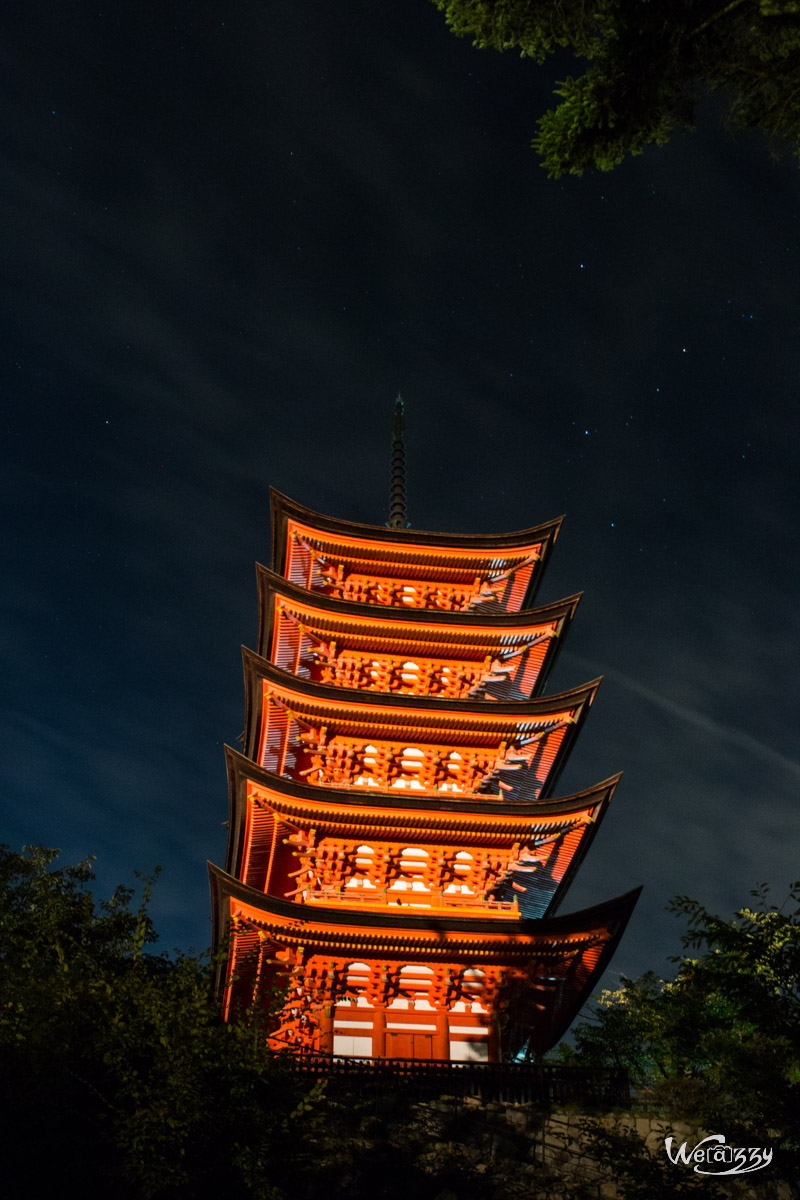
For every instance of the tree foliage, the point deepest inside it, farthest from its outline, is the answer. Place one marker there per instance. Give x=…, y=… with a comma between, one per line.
x=720, y=1043
x=649, y=63
x=118, y=1073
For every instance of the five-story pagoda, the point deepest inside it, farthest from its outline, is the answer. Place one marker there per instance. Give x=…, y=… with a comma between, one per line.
x=394, y=852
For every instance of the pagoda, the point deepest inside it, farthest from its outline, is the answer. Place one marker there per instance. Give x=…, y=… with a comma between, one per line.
x=396, y=857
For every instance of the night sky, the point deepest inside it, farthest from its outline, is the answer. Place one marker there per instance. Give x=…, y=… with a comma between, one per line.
x=231, y=234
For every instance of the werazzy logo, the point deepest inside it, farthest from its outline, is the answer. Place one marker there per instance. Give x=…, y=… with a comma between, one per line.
x=713, y=1157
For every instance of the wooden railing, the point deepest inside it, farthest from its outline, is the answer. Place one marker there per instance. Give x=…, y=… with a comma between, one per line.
x=543, y=1084
x=381, y=898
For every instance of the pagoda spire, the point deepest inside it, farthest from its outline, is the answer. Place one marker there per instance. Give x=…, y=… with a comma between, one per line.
x=397, y=493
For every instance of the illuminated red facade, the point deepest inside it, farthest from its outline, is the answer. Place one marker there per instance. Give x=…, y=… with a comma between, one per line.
x=394, y=850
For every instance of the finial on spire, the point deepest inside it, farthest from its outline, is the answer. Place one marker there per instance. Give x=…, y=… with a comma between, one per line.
x=397, y=492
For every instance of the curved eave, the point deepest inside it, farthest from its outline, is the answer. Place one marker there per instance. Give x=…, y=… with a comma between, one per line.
x=283, y=510
x=472, y=714
x=388, y=807
x=426, y=717
x=433, y=622
x=544, y=1037
x=509, y=938
x=570, y=945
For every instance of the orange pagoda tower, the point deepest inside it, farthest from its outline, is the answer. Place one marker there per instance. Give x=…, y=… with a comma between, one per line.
x=394, y=853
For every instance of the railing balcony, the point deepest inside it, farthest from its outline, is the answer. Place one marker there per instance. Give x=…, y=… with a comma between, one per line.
x=436, y=901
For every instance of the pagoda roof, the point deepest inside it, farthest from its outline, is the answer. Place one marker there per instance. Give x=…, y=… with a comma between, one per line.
x=579, y=944
x=509, y=939
x=362, y=814
x=475, y=553
x=553, y=721
x=421, y=631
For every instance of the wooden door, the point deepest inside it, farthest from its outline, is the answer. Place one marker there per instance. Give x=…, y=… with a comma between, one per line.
x=409, y=1045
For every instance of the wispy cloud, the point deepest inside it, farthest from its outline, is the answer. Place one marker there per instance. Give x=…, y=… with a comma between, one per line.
x=695, y=718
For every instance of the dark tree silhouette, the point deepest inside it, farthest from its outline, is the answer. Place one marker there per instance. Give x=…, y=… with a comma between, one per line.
x=649, y=63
